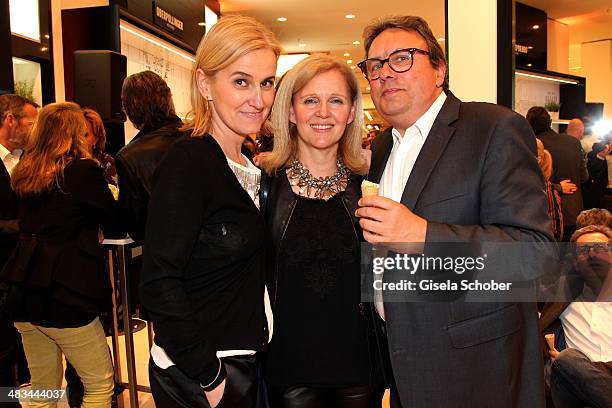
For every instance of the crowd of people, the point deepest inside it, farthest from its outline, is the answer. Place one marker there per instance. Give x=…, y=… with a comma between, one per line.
x=252, y=265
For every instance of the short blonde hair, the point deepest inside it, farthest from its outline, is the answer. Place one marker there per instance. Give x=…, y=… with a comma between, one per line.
x=229, y=39
x=285, y=132
x=97, y=127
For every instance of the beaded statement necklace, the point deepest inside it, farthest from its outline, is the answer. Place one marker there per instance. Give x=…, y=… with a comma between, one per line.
x=317, y=187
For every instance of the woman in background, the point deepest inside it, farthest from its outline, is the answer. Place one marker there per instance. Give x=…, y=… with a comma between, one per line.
x=203, y=278
x=96, y=139
x=58, y=283
x=320, y=355
x=554, y=200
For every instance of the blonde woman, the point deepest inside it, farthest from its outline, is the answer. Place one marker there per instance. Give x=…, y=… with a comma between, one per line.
x=203, y=277
x=319, y=355
x=58, y=283
x=554, y=199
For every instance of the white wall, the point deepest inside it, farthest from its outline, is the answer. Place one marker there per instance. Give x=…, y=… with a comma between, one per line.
x=558, y=46
x=472, y=43
x=597, y=68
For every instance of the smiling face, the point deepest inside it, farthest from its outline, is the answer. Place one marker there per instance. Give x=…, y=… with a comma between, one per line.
x=321, y=110
x=401, y=98
x=240, y=95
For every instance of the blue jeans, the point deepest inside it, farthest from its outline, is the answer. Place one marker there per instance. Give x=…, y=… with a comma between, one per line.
x=576, y=381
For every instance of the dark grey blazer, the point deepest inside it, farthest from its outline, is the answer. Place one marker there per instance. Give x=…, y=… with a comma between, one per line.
x=476, y=179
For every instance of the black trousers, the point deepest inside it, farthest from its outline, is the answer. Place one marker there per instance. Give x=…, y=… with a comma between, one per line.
x=171, y=388
x=310, y=397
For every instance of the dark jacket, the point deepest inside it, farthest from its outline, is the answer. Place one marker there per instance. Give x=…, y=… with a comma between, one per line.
x=58, y=255
x=472, y=181
x=136, y=164
x=8, y=216
x=8, y=240
x=278, y=202
x=203, y=275
x=595, y=187
x=568, y=163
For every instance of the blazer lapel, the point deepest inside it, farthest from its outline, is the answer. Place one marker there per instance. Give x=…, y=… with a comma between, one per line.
x=381, y=150
x=432, y=150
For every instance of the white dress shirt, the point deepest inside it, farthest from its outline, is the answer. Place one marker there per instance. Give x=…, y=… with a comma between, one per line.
x=588, y=328
x=406, y=150
x=10, y=159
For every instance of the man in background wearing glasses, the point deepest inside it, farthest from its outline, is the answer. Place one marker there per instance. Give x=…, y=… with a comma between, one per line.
x=451, y=171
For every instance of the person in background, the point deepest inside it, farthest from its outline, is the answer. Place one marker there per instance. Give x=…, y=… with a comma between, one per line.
x=555, y=211
x=575, y=129
x=581, y=372
x=316, y=170
x=56, y=276
x=147, y=102
x=96, y=139
x=203, y=281
x=17, y=115
x=594, y=216
x=597, y=184
x=569, y=169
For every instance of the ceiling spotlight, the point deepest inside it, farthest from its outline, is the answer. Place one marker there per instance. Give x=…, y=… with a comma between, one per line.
x=353, y=67
x=350, y=16
x=349, y=61
x=535, y=27
x=347, y=54
x=356, y=43
x=44, y=49
x=47, y=36
x=530, y=47
x=201, y=24
x=282, y=19
x=301, y=45
x=529, y=65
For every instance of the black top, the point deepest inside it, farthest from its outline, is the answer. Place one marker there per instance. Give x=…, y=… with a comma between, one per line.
x=203, y=277
x=8, y=215
x=136, y=164
x=320, y=331
x=57, y=271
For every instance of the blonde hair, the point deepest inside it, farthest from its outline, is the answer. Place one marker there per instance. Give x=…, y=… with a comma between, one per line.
x=56, y=139
x=229, y=39
x=285, y=132
x=544, y=160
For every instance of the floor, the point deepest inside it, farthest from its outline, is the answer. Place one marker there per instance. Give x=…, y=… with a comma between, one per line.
x=145, y=400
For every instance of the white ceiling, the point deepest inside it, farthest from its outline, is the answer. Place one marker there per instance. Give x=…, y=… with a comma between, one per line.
x=323, y=27
x=321, y=24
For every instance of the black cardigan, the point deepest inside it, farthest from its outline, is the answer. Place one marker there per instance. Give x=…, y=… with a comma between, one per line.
x=58, y=260
x=203, y=277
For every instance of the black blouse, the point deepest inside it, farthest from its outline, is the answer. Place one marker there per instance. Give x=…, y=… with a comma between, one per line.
x=320, y=332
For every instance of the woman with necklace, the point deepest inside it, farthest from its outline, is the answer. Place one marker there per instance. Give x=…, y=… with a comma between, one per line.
x=203, y=278
x=320, y=354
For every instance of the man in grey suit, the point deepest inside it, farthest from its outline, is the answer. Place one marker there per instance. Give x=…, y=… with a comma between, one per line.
x=451, y=172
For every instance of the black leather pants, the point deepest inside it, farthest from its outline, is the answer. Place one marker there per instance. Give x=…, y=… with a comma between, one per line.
x=310, y=397
x=171, y=388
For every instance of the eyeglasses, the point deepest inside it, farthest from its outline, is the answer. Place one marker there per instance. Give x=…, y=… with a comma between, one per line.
x=597, y=248
x=399, y=61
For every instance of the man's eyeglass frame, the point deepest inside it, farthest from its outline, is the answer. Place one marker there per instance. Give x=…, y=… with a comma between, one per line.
x=362, y=65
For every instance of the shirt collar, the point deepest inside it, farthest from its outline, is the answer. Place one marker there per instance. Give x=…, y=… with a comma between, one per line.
x=4, y=152
x=426, y=121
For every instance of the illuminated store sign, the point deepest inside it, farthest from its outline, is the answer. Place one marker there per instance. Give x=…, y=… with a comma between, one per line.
x=166, y=20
